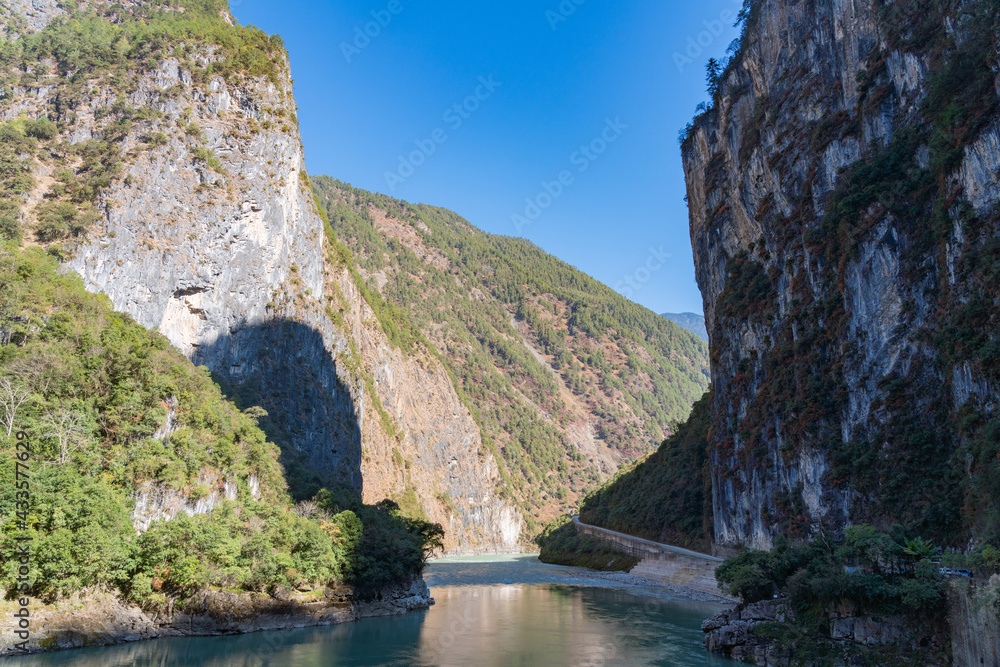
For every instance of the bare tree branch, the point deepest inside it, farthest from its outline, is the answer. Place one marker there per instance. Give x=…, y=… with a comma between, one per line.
x=66, y=427
x=13, y=394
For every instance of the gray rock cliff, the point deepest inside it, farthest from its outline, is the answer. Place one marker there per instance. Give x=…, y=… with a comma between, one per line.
x=210, y=234
x=841, y=223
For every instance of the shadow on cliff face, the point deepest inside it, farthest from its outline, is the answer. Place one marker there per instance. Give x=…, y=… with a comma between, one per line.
x=284, y=367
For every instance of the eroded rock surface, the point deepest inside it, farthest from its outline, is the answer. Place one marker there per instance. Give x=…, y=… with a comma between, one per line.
x=833, y=315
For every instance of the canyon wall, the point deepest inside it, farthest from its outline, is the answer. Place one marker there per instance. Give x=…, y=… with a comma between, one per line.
x=843, y=193
x=209, y=232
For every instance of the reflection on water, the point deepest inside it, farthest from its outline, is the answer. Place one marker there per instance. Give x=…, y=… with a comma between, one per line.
x=478, y=623
x=551, y=624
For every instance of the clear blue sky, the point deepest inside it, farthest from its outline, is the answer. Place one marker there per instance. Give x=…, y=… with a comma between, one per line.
x=562, y=76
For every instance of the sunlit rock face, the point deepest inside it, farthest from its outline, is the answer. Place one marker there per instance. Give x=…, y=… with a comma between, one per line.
x=833, y=310
x=211, y=235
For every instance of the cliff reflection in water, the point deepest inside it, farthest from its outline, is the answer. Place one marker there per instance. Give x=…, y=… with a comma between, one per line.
x=559, y=625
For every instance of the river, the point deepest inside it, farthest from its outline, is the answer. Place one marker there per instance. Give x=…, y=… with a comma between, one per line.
x=490, y=611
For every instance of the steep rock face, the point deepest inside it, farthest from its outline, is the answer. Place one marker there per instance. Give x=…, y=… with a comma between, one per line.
x=435, y=459
x=974, y=620
x=844, y=225
x=35, y=14
x=225, y=271
x=209, y=232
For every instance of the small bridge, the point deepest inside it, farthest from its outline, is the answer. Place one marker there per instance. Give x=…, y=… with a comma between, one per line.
x=661, y=562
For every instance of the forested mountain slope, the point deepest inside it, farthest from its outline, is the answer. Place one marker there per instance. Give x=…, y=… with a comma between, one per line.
x=566, y=379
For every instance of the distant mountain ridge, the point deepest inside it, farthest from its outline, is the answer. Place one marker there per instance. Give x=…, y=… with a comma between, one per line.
x=693, y=322
x=566, y=378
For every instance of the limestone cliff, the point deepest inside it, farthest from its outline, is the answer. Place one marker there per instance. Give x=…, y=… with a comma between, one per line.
x=843, y=193
x=207, y=230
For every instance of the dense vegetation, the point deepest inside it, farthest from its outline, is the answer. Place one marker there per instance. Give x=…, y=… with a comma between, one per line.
x=866, y=573
x=667, y=497
x=108, y=39
x=91, y=387
x=435, y=280
x=881, y=573
x=562, y=545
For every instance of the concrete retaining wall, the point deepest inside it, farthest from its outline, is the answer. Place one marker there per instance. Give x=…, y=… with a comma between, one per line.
x=662, y=562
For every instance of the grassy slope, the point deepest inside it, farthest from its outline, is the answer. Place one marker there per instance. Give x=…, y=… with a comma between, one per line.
x=562, y=545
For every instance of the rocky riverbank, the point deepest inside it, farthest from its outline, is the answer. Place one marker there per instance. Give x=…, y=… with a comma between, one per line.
x=615, y=579
x=766, y=633
x=527, y=569
x=101, y=619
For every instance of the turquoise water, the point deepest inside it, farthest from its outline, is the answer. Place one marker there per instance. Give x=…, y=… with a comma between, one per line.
x=489, y=612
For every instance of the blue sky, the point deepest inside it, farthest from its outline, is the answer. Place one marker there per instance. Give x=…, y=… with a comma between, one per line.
x=565, y=130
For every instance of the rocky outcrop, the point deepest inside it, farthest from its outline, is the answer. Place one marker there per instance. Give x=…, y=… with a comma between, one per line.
x=730, y=633
x=764, y=633
x=210, y=234
x=846, y=337
x=100, y=619
x=974, y=620
x=156, y=501
x=35, y=14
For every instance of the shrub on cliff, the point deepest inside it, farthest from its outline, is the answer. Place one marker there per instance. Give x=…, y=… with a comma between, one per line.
x=871, y=570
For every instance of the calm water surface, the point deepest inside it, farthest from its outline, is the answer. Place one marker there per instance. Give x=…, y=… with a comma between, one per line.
x=493, y=611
